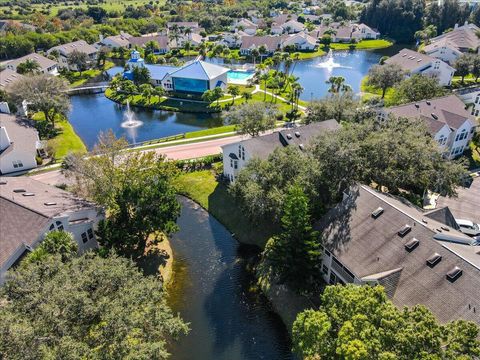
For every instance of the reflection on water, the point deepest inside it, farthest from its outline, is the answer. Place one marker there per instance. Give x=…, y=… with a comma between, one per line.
x=212, y=293
x=91, y=114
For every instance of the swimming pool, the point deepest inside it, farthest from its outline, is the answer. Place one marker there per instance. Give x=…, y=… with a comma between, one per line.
x=234, y=75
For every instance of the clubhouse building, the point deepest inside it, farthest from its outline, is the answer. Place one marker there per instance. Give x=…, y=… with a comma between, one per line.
x=194, y=77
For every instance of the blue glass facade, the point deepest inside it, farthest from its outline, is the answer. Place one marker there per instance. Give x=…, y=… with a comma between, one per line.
x=190, y=85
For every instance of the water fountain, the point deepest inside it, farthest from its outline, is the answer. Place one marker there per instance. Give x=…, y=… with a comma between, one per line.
x=130, y=121
x=329, y=63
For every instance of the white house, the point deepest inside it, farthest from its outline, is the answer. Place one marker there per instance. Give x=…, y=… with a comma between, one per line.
x=194, y=77
x=364, y=32
x=371, y=238
x=66, y=49
x=237, y=155
x=271, y=43
x=446, y=118
x=46, y=65
x=245, y=25
x=162, y=42
x=30, y=209
x=449, y=46
x=292, y=27
x=19, y=144
x=471, y=98
x=232, y=40
x=115, y=41
x=301, y=41
x=345, y=32
x=416, y=63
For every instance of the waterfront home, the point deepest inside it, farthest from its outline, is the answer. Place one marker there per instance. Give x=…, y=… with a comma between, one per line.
x=446, y=118
x=30, y=209
x=271, y=43
x=115, y=41
x=8, y=77
x=301, y=41
x=237, y=155
x=65, y=50
x=161, y=41
x=371, y=238
x=413, y=62
x=194, y=77
x=289, y=27
x=45, y=65
x=471, y=98
x=449, y=46
x=232, y=40
x=345, y=32
x=19, y=144
x=245, y=25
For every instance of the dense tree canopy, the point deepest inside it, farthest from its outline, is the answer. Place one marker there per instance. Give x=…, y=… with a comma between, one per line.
x=136, y=188
x=338, y=106
x=417, y=87
x=359, y=322
x=252, y=118
x=385, y=76
x=86, y=308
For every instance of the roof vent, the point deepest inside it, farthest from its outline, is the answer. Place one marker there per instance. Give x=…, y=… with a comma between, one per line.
x=377, y=212
x=417, y=106
x=454, y=274
x=49, y=203
x=297, y=134
x=289, y=136
x=445, y=228
x=428, y=102
x=301, y=147
x=19, y=190
x=434, y=260
x=425, y=221
x=412, y=244
x=434, y=116
x=404, y=230
x=28, y=194
x=3, y=182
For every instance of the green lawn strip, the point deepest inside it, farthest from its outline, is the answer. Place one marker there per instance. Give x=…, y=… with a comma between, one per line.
x=305, y=55
x=362, y=45
x=76, y=78
x=66, y=140
x=203, y=188
x=208, y=132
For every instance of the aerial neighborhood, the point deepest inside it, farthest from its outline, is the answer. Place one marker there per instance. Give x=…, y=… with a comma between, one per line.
x=240, y=180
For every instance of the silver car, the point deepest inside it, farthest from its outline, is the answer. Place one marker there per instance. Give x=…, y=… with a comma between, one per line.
x=468, y=227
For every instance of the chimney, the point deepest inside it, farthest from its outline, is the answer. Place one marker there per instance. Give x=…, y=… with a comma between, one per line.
x=456, y=26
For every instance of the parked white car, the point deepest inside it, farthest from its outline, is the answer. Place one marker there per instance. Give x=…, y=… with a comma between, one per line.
x=468, y=227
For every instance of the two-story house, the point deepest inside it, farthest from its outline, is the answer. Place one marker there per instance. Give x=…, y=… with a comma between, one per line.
x=446, y=118
x=413, y=62
x=45, y=65
x=65, y=50
x=450, y=45
x=237, y=155
x=30, y=209
x=372, y=238
x=471, y=98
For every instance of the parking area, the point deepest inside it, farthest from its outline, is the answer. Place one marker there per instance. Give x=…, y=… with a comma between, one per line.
x=467, y=204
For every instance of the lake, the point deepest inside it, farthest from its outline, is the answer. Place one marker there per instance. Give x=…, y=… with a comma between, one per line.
x=94, y=113
x=212, y=291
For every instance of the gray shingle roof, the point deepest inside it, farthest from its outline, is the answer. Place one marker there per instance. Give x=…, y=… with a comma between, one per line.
x=21, y=133
x=42, y=61
x=464, y=37
x=80, y=46
x=272, y=43
x=371, y=247
x=161, y=40
x=410, y=60
x=8, y=77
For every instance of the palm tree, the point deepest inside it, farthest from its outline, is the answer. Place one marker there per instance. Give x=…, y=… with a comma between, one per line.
x=150, y=47
x=146, y=90
x=297, y=89
x=254, y=53
x=246, y=95
x=337, y=84
x=234, y=90
x=187, y=46
x=287, y=65
x=264, y=77
x=262, y=50
x=28, y=66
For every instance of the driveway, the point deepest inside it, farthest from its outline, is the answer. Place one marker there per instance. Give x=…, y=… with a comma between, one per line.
x=467, y=204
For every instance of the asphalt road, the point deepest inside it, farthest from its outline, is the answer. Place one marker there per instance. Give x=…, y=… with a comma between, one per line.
x=176, y=152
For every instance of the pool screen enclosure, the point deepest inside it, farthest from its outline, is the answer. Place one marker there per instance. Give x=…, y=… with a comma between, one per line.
x=190, y=85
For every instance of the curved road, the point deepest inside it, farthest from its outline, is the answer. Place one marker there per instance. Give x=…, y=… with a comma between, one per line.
x=175, y=152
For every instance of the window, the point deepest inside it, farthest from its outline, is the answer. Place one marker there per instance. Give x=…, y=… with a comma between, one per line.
x=325, y=269
x=84, y=237
x=442, y=140
x=235, y=164
x=231, y=163
x=17, y=164
x=461, y=136
x=90, y=234
x=51, y=227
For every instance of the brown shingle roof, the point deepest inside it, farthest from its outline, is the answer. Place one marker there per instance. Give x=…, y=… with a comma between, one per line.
x=368, y=246
x=8, y=77
x=80, y=46
x=272, y=43
x=410, y=60
x=22, y=135
x=42, y=61
x=161, y=40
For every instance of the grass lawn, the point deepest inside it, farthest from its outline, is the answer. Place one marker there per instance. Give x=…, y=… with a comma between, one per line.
x=76, y=78
x=468, y=81
x=304, y=55
x=66, y=140
x=369, y=92
x=207, y=132
x=363, y=45
x=202, y=187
